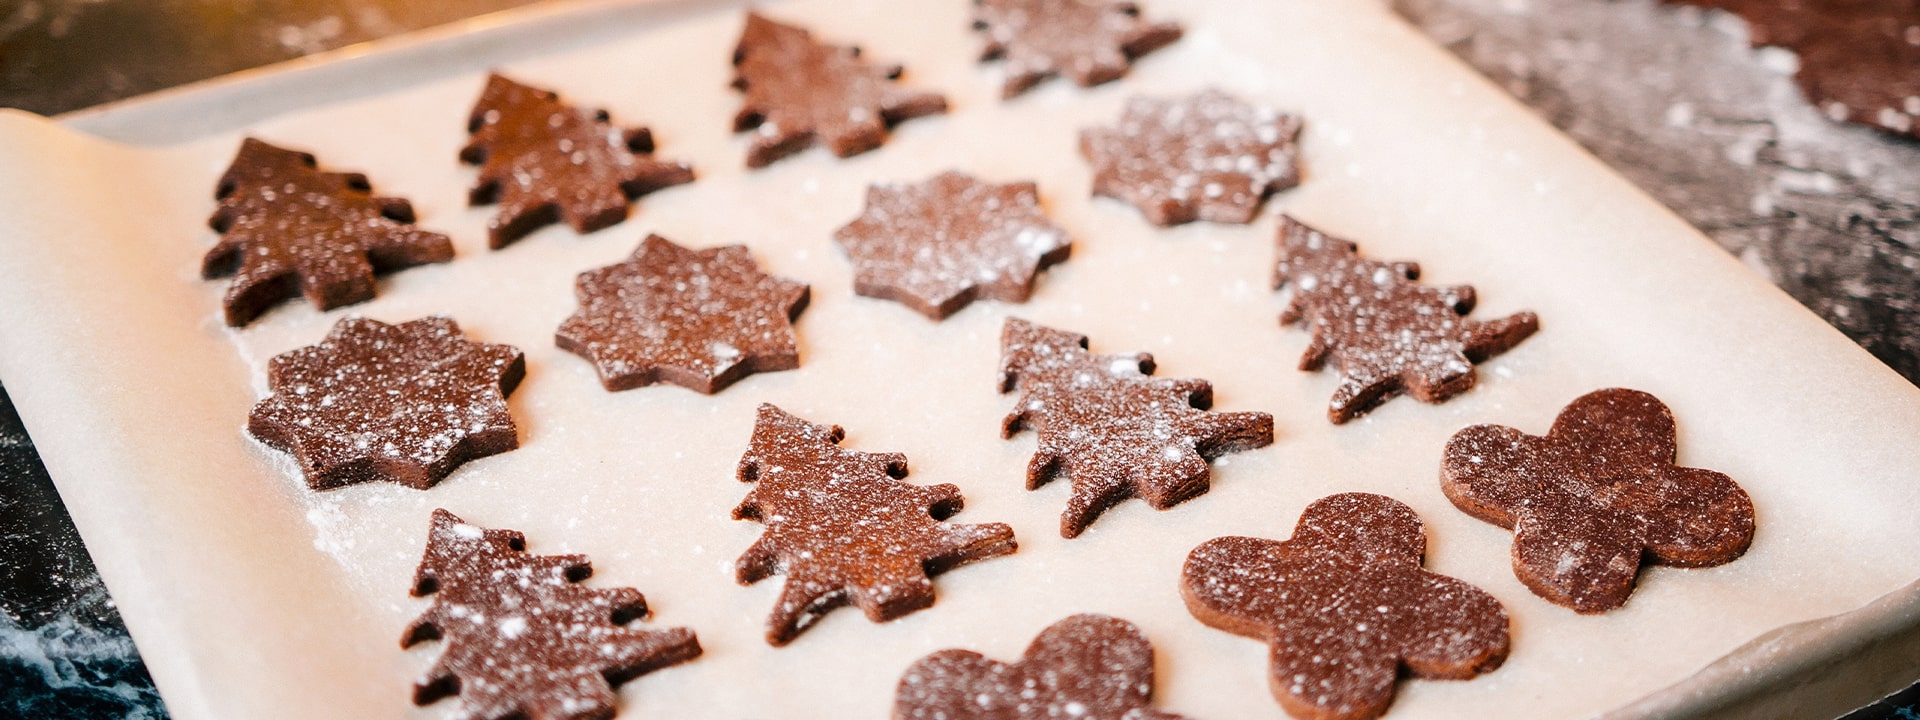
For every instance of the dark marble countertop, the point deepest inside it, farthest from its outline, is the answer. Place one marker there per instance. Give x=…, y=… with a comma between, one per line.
x=1671, y=97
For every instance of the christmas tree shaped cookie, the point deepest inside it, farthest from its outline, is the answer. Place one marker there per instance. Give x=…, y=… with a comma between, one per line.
x=523, y=637
x=1091, y=41
x=1110, y=427
x=801, y=92
x=1385, y=332
x=286, y=229
x=843, y=528
x=544, y=161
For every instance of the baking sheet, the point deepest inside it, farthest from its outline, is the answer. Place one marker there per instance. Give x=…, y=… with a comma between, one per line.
x=252, y=597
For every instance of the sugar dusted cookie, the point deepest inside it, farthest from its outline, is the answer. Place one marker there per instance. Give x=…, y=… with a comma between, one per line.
x=403, y=403
x=1110, y=427
x=1090, y=41
x=1386, y=333
x=287, y=228
x=844, y=529
x=523, y=637
x=938, y=245
x=1086, y=666
x=1596, y=498
x=700, y=319
x=544, y=161
x=1346, y=607
x=801, y=92
x=1207, y=156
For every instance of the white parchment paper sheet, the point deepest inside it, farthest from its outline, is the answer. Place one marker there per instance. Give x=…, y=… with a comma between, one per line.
x=253, y=597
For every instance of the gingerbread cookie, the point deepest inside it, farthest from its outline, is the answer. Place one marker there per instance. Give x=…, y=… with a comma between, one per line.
x=936, y=246
x=1207, y=156
x=844, y=529
x=523, y=638
x=403, y=403
x=1090, y=666
x=1596, y=497
x=286, y=228
x=1091, y=41
x=1346, y=607
x=1385, y=333
x=801, y=92
x=1112, y=428
x=545, y=161
x=700, y=319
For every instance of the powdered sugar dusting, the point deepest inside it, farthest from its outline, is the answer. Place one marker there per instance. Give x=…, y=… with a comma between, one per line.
x=546, y=160
x=543, y=160
x=286, y=226
x=1385, y=332
x=406, y=403
x=1090, y=41
x=843, y=527
x=936, y=246
x=701, y=319
x=1208, y=156
x=1110, y=427
x=1090, y=666
x=522, y=636
x=1595, y=496
x=800, y=91
x=1346, y=606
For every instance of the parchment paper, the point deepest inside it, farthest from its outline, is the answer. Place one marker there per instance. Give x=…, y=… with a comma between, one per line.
x=251, y=596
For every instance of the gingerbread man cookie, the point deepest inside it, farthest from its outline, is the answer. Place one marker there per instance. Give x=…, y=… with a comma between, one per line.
x=1596, y=498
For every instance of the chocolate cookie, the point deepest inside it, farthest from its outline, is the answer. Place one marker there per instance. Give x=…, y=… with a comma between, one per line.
x=523, y=638
x=544, y=161
x=1114, y=430
x=938, y=245
x=1859, y=60
x=843, y=528
x=1207, y=156
x=286, y=228
x=1385, y=332
x=403, y=403
x=700, y=319
x=1596, y=498
x=1346, y=607
x=800, y=92
x=1091, y=41
x=1090, y=666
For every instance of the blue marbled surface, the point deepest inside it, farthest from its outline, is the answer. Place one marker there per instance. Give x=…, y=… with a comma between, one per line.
x=63, y=651
x=68, y=668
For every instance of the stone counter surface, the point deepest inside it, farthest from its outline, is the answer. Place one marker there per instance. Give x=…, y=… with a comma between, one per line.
x=1671, y=97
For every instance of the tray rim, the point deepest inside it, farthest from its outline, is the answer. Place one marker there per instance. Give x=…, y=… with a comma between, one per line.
x=223, y=103
x=1753, y=679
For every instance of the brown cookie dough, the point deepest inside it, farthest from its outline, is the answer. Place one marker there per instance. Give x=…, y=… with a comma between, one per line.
x=844, y=529
x=545, y=161
x=1385, y=332
x=1091, y=41
x=700, y=319
x=1596, y=497
x=523, y=638
x=801, y=92
x=1110, y=427
x=403, y=403
x=1207, y=156
x=1086, y=666
x=1346, y=607
x=938, y=245
x=286, y=228
x=1859, y=59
